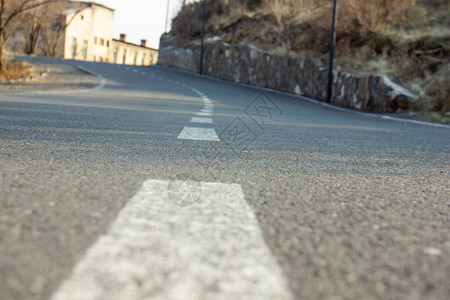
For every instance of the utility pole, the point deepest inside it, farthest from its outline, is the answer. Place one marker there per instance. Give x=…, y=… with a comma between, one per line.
x=332, y=44
x=167, y=16
x=203, y=37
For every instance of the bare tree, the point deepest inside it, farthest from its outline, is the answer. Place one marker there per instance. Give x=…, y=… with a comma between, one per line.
x=10, y=12
x=51, y=36
x=55, y=25
x=31, y=29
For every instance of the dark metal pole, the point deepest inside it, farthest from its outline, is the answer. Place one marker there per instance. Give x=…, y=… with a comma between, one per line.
x=203, y=37
x=332, y=43
x=167, y=16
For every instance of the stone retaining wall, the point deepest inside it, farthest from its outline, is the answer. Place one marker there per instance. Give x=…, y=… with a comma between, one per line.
x=300, y=75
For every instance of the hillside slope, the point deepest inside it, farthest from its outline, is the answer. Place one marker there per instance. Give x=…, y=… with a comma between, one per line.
x=407, y=39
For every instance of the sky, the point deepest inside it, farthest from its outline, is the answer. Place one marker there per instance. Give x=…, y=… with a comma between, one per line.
x=141, y=19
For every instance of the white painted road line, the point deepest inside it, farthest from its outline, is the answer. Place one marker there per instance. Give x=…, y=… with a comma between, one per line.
x=97, y=87
x=203, y=114
x=206, y=110
x=156, y=250
x=201, y=120
x=199, y=134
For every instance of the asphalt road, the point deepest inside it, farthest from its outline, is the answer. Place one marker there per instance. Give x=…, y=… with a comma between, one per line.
x=351, y=206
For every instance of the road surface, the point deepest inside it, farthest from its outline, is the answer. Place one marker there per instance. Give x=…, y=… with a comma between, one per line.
x=160, y=184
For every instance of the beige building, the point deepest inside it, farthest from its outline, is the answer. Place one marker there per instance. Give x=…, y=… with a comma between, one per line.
x=88, y=37
x=130, y=54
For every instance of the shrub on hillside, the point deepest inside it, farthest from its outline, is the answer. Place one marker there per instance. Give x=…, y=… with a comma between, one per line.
x=439, y=92
x=356, y=16
x=188, y=22
x=14, y=69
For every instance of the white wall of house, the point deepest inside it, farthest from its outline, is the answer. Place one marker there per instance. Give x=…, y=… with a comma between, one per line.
x=89, y=34
x=89, y=37
x=102, y=31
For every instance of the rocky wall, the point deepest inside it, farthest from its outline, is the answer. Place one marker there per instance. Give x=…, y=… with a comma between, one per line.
x=299, y=75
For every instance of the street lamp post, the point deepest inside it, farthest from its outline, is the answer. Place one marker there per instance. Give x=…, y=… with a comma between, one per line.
x=167, y=16
x=332, y=43
x=203, y=37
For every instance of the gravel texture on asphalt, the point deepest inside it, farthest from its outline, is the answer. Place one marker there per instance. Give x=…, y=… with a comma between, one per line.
x=353, y=207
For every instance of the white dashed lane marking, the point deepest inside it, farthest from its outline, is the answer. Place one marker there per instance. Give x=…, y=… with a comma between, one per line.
x=198, y=134
x=203, y=114
x=201, y=120
x=193, y=133
x=157, y=250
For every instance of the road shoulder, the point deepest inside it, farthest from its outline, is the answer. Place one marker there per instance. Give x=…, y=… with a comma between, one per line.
x=57, y=76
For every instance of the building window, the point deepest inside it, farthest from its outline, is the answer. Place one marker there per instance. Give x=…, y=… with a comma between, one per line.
x=82, y=17
x=95, y=58
x=74, y=47
x=102, y=42
x=143, y=59
x=95, y=40
x=124, y=59
x=107, y=43
x=84, y=51
x=135, y=58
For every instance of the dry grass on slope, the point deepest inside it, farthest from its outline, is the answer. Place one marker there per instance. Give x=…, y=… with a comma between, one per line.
x=15, y=69
x=407, y=39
